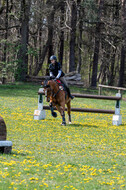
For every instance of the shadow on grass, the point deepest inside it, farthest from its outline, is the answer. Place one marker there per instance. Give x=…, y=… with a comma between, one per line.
x=15, y=153
x=122, y=125
x=83, y=125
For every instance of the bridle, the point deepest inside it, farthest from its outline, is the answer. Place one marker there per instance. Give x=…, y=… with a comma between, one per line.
x=52, y=92
x=46, y=93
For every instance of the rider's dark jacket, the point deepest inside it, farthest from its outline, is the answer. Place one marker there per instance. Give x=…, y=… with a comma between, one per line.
x=55, y=69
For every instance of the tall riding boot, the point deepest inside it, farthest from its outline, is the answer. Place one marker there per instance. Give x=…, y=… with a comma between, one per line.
x=69, y=94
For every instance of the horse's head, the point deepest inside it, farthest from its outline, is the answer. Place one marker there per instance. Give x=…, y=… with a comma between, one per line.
x=47, y=89
x=50, y=86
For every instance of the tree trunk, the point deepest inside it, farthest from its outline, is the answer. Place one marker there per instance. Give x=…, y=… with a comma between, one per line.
x=2, y=6
x=106, y=63
x=114, y=49
x=6, y=31
x=122, y=67
x=122, y=77
x=48, y=45
x=40, y=43
x=73, y=37
x=22, y=69
x=111, y=80
x=4, y=58
x=81, y=15
x=97, y=44
x=50, y=37
x=61, y=37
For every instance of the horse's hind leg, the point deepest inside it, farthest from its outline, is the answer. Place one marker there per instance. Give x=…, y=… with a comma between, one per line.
x=69, y=111
x=62, y=107
x=63, y=118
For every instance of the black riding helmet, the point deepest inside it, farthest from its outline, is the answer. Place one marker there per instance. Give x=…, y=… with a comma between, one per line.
x=53, y=57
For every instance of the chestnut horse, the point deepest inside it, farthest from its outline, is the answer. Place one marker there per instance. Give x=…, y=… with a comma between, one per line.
x=57, y=97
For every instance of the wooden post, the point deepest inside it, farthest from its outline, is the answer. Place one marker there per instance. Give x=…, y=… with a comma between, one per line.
x=5, y=146
x=3, y=131
x=100, y=90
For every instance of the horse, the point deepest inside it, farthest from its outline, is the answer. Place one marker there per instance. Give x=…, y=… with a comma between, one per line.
x=57, y=96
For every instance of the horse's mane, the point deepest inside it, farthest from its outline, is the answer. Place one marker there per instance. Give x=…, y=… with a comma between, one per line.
x=45, y=83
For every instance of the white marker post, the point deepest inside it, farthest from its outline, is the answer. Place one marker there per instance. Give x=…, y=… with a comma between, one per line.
x=117, y=118
x=40, y=113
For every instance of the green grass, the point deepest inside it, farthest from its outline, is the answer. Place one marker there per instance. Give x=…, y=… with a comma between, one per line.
x=89, y=154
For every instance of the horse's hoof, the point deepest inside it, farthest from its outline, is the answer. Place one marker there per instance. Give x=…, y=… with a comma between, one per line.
x=54, y=114
x=70, y=122
x=63, y=124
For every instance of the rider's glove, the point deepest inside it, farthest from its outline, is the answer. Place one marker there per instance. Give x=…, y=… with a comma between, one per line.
x=56, y=78
x=52, y=77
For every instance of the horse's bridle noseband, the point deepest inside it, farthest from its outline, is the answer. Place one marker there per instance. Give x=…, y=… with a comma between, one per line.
x=46, y=91
x=53, y=94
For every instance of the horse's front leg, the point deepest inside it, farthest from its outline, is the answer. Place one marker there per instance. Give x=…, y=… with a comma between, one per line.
x=54, y=114
x=62, y=113
x=62, y=107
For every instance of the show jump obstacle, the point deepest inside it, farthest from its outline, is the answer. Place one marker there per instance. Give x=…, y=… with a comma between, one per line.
x=117, y=117
x=5, y=146
x=120, y=89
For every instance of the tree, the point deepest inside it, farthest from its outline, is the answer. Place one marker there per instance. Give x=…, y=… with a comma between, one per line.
x=123, y=49
x=115, y=42
x=81, y=15
x=48, y=47
x=22, y=68
x=61, y=36
x=88, y=35
x=73, y=36
x=97, y=44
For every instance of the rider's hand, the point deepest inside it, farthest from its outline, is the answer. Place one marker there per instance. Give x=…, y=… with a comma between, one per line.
x=52, y=77
x=56, y=78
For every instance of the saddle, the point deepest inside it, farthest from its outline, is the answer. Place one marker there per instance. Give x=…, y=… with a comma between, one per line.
x=62, y=86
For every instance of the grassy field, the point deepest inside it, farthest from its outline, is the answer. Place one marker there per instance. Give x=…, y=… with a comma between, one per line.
x=89, y=154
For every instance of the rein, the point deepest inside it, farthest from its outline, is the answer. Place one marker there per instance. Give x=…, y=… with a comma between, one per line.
x=52, y=92
x=55, y=94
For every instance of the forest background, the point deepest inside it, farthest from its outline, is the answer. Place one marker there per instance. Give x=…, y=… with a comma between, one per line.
x=87, y=36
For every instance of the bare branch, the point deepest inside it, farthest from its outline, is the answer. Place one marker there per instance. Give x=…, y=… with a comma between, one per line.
x=16, y=26
x=110, y=43
x=68, y=9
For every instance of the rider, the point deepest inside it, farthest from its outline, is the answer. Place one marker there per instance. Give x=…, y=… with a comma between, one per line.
x=55, y=70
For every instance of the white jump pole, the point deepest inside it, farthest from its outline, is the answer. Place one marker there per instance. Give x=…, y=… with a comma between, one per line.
x=40, y=114
x=117, y=117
